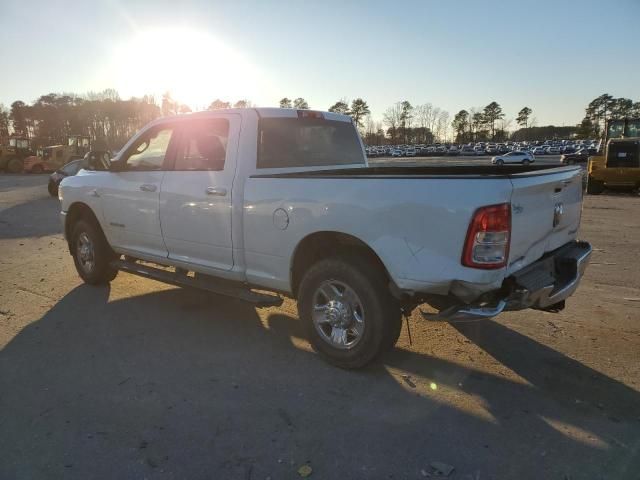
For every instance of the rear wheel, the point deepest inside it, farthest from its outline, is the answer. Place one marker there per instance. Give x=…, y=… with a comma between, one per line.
x=526, y=161
x=348, y=312
x=92, y=254
x=594, y=187
x=37, y=169
x=15, y=165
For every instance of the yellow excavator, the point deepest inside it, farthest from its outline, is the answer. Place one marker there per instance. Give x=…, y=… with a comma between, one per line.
x=618, y=167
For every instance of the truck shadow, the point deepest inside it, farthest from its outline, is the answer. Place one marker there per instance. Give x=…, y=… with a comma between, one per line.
x=182, y=384
x=35, y=218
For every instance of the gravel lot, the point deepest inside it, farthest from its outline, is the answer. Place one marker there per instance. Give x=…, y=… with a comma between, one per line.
x=143, y=380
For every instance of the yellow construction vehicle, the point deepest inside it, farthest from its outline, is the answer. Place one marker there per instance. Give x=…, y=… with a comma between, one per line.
x=49, y=159
x=12, y=156
x=619, y=165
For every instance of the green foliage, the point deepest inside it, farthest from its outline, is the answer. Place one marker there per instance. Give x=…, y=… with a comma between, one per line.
x=285, y=103
x=359, y=110
x=604, y=108
x=300, y=104
x=218, y=104
x=543, y=133
x=523, y=117
x=460, y=125
x=341, y=106
x=491, y=114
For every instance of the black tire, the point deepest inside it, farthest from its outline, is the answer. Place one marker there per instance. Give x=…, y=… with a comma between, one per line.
x=53, y=189
x=100, y=272
x=500, y=162
x=382, y=320
x=37, y=169
x=15, y=165
x=525, y=162
x=594, y=187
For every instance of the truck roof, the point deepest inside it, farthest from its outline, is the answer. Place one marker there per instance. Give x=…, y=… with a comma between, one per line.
x=268, y=112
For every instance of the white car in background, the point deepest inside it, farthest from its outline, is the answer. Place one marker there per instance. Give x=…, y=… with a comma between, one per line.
x=524, y=158
x=554, y=150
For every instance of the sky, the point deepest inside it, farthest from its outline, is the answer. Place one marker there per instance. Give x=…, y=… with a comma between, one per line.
x=553, y=56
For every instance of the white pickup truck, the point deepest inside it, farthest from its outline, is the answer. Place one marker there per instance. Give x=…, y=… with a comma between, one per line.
x=254, y=203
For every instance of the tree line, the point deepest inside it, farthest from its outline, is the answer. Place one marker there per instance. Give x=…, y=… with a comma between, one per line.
x=104, y=115
x=604, y=108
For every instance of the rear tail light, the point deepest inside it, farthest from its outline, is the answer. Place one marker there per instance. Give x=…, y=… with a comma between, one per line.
x=310, y=114
x=488, y=237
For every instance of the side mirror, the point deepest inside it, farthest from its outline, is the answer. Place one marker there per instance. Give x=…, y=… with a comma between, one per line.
x=98, y=161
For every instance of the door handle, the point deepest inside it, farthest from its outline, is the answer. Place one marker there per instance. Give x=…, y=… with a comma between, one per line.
x=148, y=187
x=218, y=191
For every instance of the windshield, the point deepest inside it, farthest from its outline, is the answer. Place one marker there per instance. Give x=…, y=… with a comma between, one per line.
x=616, y=128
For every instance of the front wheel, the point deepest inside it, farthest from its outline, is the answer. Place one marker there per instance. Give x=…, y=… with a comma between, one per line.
x=92, y=254
x=500, y=162
x=348, y=312
x=594, y=187
x=526, y=162
x=52, y=188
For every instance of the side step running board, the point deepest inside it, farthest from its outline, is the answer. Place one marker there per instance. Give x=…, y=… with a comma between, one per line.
x=202, y=282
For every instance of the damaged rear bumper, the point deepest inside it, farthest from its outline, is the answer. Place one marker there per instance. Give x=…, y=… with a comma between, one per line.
x=543, y=285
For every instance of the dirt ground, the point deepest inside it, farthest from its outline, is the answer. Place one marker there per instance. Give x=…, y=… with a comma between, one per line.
x=143, y=380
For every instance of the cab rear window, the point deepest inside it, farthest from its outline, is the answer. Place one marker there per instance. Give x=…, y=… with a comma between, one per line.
x=307, y=142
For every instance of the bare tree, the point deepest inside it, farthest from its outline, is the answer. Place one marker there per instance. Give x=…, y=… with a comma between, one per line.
x=442, y=125
x=392, y=118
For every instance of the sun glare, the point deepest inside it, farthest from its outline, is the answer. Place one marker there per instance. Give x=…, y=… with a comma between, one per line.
x=192, y=65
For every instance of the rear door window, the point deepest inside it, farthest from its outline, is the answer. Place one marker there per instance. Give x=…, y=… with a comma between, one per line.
x=307, y=142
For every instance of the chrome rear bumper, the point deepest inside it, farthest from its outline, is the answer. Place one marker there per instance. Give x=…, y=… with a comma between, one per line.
x=543, y=285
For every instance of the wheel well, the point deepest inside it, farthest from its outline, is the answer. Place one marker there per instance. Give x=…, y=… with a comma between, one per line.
x=78, y=211
x=321, y=245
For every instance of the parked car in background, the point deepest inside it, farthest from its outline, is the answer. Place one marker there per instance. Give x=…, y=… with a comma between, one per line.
x=72, y=168
x=553, y=150
x=65, y=171
x=539, y=151
x=467, y=151
x=524, y=158
x=581, y=156
x=410, y=152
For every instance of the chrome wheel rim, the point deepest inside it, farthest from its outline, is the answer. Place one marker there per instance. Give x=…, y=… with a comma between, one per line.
x=338, y=315
x=85, y=252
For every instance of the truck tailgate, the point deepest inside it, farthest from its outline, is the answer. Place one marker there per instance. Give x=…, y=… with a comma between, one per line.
x=545, y=213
